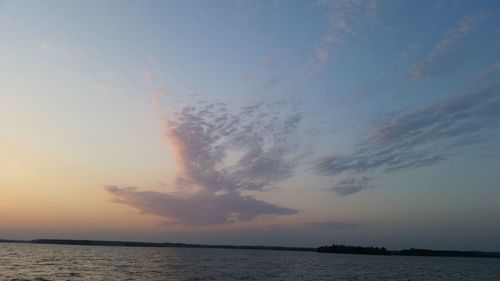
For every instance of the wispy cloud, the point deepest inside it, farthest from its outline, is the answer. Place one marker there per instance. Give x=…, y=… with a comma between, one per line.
x=54, y=49
x=351, y=185
x=222, y=154
x=441, y=59
x=154, y=81
x=420, y=138
x=340, y=13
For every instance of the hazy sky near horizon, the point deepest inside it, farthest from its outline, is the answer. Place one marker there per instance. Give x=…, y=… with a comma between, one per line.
x=252, y=122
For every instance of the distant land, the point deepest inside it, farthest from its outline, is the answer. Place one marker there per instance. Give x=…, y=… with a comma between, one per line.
x=337, y=249
x=151, y=244
x=344, y=249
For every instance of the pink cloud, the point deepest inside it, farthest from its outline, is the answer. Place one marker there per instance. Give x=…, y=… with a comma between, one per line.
x=220, y=156
x=432, y=65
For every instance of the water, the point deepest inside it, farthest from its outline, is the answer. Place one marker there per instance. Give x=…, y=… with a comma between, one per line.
x=61, y=262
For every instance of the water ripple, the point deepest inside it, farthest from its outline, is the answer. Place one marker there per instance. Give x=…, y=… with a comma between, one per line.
x=31, y=262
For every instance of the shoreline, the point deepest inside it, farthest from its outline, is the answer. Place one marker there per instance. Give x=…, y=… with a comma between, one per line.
x=336, y=249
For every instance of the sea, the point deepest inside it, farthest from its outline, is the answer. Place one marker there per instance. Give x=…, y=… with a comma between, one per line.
x=67, y=262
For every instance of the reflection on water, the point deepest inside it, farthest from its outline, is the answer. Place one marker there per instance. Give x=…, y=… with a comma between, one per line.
x=61, y=262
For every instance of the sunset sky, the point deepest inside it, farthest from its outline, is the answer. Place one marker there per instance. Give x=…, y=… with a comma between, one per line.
x=297, y=123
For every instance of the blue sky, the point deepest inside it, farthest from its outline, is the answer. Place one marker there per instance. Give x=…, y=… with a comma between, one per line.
x=252, y=122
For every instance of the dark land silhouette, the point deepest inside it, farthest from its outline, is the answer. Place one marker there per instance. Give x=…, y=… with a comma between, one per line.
x=152, y=244
x=347, y=249
x=337, y=249
x=344, y=249
x=441, y=253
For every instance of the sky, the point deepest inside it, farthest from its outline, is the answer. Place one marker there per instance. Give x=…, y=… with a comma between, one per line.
x=291, y=123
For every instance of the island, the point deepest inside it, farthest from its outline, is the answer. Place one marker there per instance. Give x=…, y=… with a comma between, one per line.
x=347, y=249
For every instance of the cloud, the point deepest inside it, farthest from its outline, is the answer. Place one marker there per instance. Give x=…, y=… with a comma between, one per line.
x=340, y=14
x=199, y=208
x=220, y=155
x=351, y=185
x=221, y=151
x=421, y=138
x=54, y=49
x=444, y=58
x=322, y=54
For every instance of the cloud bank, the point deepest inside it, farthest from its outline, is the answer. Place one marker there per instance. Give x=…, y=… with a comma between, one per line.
x=222, y=154
x=421, y=138
x=199, y=208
